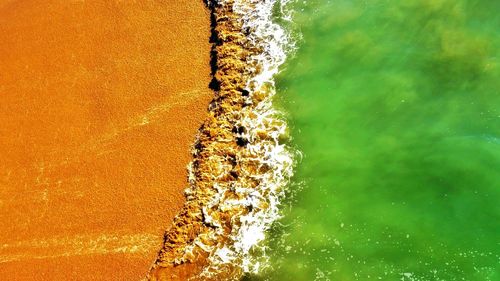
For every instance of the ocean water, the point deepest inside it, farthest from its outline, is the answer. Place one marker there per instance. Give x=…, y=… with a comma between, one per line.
x=395, y=106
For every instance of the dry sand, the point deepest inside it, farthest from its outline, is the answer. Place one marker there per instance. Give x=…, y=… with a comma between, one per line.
x=99, y=104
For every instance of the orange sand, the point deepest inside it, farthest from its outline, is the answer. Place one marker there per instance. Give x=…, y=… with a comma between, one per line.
x=99, y=103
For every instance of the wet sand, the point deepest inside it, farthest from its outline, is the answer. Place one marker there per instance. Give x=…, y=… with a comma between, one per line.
x=99, y=105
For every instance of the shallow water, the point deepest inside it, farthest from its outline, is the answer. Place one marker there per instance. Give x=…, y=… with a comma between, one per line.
x=395, y=106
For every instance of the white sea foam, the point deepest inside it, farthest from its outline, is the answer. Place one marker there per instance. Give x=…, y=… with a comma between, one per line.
x=249, y=230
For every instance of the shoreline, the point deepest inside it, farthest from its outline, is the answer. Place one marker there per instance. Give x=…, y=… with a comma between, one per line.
x=100, y=102
x=241, y=163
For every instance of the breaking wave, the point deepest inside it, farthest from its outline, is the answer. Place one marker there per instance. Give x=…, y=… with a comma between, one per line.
x=241, y=161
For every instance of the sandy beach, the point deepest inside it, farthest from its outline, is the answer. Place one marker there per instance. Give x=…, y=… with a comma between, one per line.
x=100, y=102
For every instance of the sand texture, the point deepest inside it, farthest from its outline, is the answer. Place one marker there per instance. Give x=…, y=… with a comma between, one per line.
x=99, y=105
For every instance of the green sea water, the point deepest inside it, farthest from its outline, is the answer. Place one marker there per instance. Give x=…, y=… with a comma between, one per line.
x=395, y=105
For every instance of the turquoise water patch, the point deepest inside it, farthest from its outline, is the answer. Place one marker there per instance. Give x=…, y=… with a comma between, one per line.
x=395, y=106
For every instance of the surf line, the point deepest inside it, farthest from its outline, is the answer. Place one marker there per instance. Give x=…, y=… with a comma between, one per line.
x=241, y=162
